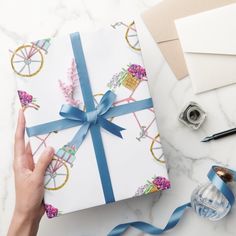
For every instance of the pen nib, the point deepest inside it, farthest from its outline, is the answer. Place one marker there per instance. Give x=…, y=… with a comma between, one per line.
x=206, y=139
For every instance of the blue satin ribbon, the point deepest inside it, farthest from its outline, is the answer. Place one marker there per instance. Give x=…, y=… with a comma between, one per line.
x=221, y=185
x=178, y=212
x=92, y=119
x=70, y=123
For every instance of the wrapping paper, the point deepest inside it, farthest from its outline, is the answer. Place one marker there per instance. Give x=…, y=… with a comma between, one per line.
x=47, y=78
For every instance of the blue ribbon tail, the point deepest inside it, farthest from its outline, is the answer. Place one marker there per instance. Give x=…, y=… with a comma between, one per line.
x=148, y=228
x=110, y=127
x=215, y=179
x=80, y=135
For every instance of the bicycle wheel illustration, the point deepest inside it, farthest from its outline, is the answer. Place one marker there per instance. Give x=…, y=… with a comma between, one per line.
x=27, y=60
x=156, y=149
x=56, y=175
x=97, y=97
x=131, y=37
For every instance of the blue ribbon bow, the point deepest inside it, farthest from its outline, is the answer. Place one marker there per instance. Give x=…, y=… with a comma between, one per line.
x=92, y=118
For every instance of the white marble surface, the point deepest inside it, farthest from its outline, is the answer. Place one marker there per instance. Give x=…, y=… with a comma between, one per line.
x=188, y=159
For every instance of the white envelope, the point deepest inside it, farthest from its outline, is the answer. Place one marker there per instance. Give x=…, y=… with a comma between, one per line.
x=208, y=40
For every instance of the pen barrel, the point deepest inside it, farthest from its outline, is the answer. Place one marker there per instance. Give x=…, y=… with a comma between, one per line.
x=224, y=133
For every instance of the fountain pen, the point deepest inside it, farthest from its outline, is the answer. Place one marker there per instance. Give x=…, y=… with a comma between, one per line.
x=220, y=135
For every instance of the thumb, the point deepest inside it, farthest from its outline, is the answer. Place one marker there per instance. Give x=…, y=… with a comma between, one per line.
x=44, y=161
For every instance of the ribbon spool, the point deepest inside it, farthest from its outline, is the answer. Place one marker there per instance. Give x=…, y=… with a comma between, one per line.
x=208, y=201
x=212, y=200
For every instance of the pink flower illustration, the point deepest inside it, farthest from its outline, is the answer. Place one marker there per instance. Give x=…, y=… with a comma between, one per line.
x=68, y=90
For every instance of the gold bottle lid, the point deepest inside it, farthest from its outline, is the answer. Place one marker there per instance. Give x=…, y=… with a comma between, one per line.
x=225, y=174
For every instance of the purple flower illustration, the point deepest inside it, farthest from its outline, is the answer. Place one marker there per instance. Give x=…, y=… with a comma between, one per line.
x=161, y=182
x=137, y=71
x=25, y=98
x=51, y=211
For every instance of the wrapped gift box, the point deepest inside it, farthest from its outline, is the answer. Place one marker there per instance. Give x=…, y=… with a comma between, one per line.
x=86, y=95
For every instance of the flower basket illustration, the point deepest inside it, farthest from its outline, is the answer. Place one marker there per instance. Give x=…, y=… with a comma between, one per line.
x=134, y=74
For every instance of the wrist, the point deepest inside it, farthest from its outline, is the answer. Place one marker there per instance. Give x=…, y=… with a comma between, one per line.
x=29, y=213
x=27, y=217
x=24, y=224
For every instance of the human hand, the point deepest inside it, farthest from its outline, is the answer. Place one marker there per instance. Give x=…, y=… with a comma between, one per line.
x=29, y=184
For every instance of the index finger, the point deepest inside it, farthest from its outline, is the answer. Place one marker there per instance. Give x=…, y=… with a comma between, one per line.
x=20, y=135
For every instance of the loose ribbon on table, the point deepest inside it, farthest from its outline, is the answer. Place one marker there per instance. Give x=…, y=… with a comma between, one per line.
x=178, y=212
x=91, y=119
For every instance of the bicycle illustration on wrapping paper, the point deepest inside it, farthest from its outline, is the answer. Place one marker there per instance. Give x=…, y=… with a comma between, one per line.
x=27, y=60
x=131, y=35
x=131, y=79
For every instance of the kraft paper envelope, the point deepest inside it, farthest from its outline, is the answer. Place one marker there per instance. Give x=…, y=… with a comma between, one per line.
x=160, y=22
x=208, y=40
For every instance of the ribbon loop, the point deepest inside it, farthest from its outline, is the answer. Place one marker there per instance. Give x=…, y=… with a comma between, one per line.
x=72, y=113
x=106, y=102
